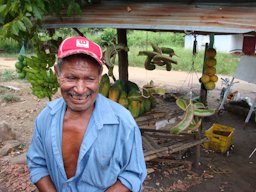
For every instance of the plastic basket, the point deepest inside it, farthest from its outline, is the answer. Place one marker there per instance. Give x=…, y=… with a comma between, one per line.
x=220, y=138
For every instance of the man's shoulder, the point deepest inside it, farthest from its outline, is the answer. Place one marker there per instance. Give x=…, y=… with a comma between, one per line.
x=52, y=107
x=112, y=110
x=112, y=105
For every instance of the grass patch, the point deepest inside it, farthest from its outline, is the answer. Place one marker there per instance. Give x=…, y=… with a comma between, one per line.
x=9, y=98
x=8, y=75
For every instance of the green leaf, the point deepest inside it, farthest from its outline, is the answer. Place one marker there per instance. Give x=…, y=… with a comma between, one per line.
x=36, y=12
x=70, y=9
x=21, y=25
x=78, y=8
x=40, y=4
x=2, y=8
x=14, y=8
x=15, y=29
x=27, y=22
x=28, y=7
x=73, y=8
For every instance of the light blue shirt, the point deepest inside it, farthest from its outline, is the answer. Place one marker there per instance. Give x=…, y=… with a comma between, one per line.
x=111, y=149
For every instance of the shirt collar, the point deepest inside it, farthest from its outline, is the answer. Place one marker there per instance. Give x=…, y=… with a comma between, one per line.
x=56, y=105
x=103, y=112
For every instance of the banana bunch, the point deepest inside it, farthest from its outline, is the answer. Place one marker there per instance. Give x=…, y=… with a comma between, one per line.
x=192, y=118
x=109, y=56
x=209, y=77
x=20, y=65
x=159, y=56
x=39, y=73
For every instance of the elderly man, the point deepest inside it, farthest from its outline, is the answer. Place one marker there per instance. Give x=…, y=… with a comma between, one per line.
x=84, y=141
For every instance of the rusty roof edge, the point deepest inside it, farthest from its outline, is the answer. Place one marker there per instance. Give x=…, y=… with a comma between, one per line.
x=197, y=29
x=96, y=17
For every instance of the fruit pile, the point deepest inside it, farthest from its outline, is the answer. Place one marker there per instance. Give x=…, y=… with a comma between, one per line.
x=209, y=77
x=129, y=95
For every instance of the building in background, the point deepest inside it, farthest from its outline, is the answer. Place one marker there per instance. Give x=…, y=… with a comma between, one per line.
x=223, y=43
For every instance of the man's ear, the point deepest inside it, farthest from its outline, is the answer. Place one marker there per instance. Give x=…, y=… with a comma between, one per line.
x=56, y=70
x=100, y=76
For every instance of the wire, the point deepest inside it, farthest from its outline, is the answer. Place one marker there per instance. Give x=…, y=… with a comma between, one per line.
x=192, y=71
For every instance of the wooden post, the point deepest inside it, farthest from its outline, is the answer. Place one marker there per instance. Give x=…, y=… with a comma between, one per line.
x=122, y=55
x=197, y=149
x=203, y=99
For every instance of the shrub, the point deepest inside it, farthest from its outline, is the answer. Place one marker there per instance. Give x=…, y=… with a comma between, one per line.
x=9, y=98
x=8, y=75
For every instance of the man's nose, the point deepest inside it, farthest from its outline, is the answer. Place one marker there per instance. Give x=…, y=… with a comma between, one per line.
x=80, y=87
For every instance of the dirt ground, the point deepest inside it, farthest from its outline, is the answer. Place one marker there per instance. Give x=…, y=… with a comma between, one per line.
x=233, y=172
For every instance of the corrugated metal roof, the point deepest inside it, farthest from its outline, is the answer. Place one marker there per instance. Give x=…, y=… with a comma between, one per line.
x=197, y=17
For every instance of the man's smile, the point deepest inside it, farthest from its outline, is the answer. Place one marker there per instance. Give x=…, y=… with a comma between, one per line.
x=80, y=97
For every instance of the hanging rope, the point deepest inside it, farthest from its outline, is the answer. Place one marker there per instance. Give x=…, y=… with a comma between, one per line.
x=192, y=71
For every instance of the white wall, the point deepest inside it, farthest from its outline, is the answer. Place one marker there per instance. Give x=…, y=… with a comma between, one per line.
x=223, y=43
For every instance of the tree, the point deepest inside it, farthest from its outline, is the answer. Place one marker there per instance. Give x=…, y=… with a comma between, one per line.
x=21, y=20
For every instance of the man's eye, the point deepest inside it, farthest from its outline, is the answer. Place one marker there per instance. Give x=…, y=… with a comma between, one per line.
x=90, y=79
x=71, y=78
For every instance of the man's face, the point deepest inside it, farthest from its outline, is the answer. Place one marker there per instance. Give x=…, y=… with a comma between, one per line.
x=79, y=81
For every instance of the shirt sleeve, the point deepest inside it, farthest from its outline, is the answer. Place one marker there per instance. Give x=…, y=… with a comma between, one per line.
x=134, y=172
x=36, y=157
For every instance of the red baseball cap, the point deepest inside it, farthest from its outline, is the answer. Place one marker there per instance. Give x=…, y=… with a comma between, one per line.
x=79, y=44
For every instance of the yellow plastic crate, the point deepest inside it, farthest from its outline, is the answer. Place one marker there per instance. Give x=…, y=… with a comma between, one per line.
x=220, y=138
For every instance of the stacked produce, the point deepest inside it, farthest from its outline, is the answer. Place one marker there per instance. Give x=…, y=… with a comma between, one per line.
x=161, y=56
x=209, y=77
x=192, y=118
x=129, y=95
x=20, y=65
x=37, y=70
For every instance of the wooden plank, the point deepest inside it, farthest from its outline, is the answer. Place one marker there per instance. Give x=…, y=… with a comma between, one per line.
x=215, y=17
x=146, y=144
x=152, y=142
x=171, y=149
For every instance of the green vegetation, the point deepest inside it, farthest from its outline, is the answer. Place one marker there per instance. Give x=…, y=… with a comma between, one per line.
x=8, y=75
x=9, y=98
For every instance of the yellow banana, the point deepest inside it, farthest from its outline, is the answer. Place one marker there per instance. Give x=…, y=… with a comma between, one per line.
x=181, y=103
x=156, y=48
x=204, y=112
x=186, y=120
x=112, y=50
x=164, y=58
x=148, y=65
x=167, y=50
x=148, y=53
x=168, y=66
x=195, y=124
x=198, y=105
